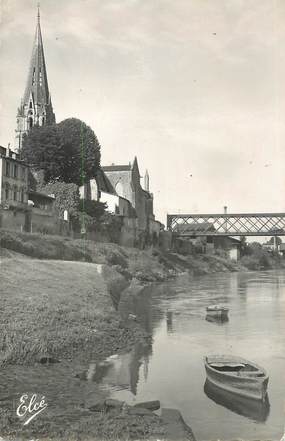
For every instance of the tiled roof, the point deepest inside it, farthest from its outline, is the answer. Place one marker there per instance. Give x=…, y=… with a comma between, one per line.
x=103, y=182
x=109, y=168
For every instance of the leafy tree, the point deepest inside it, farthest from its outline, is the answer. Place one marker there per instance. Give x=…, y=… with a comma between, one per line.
x=66, y=152
x=278, y=241
x=243, y=245
x=43, y=150
x=66, y=197
x=94, y=209
x=82, y=151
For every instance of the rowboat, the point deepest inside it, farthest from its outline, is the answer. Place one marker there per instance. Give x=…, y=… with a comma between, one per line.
x=237, y=375
x=217, y=311
x=257, y=410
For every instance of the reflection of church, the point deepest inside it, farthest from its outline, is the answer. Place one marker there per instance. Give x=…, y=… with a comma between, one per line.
x=124, y=371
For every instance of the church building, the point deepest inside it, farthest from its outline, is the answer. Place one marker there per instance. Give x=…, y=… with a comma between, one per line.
x=36, y=107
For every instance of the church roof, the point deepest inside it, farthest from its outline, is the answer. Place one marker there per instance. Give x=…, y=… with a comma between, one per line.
x=103, y=182
x=109, y=168
x=37, y=83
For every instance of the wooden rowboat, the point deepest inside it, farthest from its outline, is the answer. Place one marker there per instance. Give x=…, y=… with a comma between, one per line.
x=237, y=375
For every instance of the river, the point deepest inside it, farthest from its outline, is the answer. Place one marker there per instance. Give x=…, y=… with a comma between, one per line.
x=170, y=367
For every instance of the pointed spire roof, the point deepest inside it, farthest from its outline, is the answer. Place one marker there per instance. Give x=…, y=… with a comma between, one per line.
x=37, y=83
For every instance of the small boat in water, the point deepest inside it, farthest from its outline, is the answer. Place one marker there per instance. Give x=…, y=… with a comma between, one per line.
x=237, y=375
x=217, y=311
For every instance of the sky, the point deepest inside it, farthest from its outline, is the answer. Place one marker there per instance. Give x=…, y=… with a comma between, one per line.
x=193, y=88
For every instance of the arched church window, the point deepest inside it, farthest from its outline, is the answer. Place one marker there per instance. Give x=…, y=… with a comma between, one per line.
x=31, y=105
x=119, y=189
x=43, y=120
x=30, y=123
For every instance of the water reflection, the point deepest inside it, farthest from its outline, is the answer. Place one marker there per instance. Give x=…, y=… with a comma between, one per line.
x=123, y=370
x=256, y=410
x=217, y=320
x=169, y=322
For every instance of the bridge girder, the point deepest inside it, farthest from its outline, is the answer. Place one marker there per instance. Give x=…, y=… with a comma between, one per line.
x=237, y=224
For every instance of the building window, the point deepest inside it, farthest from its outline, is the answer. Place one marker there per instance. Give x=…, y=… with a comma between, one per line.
x=15, y=171
x=40, y=77
x=30, y=123
x=23, y=174
x=119, y=189
x=7, y=168
x=22, y=195
x=15, y=193
x=7, y=192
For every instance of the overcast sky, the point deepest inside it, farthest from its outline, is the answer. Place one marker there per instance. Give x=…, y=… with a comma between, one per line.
x=194, y=88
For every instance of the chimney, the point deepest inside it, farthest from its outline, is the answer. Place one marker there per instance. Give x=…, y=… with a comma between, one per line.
x=225, y=209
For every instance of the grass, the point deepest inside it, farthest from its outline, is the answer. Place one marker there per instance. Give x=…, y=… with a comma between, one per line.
x=54, y=307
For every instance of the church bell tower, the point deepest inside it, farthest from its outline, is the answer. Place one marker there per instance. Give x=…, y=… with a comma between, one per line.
x=36, y=107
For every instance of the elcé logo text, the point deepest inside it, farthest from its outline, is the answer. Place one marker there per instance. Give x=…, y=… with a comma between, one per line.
x=30, y=407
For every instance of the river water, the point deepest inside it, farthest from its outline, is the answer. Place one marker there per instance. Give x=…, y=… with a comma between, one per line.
x=170, y=368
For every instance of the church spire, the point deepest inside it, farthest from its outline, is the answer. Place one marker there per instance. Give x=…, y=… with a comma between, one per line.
x=36, y=107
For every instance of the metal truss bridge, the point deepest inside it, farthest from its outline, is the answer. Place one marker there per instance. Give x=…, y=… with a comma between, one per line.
x=241, y=224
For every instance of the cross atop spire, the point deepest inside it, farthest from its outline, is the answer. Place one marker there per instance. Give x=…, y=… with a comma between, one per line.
x=39, y=16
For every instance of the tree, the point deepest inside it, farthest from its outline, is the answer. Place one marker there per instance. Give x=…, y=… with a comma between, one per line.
x=66, y=152
x=243, y=245
x=272, y=241
x=82, y=151
x=43, y=150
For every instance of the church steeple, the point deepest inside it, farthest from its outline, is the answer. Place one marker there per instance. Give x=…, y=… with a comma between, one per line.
x=36, y=107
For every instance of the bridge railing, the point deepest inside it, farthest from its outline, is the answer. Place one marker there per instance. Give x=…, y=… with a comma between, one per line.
x=238, y=224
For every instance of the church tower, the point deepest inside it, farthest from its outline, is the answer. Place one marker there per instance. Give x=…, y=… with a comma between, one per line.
x=36, y=107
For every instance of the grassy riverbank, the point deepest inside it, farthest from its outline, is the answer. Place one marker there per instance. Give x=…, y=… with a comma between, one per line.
x=147, y=266
x=53, y=308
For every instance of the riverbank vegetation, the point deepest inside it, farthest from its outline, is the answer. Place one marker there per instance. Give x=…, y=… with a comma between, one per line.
x=256, y=258
x=51, y=309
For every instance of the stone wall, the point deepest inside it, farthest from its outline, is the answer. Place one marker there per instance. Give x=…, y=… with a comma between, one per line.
x=33, y=221
x=13, y=220
x=129, y=232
